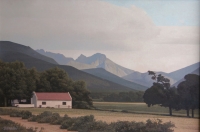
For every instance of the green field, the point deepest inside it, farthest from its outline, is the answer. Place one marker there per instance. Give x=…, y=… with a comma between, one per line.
x=107, y=107
x=139, y=108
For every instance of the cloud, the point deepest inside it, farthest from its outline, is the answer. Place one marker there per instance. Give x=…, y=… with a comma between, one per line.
x=70, y=24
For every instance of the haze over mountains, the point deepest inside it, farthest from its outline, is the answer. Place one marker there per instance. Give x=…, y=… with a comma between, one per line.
x=10, y=52
x=98, y=71
x=97, y=60
x=92, y=65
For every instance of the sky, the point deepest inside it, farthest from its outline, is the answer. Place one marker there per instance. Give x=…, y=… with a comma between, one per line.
x=141, y=35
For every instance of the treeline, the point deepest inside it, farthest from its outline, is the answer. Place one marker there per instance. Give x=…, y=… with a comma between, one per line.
x=185, y=96
x=18, y=82
x=125, y=97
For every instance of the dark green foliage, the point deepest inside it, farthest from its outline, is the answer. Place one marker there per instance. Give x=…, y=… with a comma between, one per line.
x=10, y=126
x=161, y=93
x=67, y=122
x=24, y=114
x=125, y=97
x=57, y=80
x=16, y=82
x=189, y=93
x=33, y=118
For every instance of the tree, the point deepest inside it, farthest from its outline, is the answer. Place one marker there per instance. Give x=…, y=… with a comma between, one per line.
x=189, y=93
x=57, y=80
x=161, y=93
x=15, y=81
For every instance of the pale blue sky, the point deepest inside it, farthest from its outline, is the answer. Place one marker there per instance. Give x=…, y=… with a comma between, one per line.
x=167, y=12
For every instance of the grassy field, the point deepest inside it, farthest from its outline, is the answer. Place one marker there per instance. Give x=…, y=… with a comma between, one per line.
x=182, y=123
x=140, y=108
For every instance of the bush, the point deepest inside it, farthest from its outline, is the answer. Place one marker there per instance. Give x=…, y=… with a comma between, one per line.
x=97, y=126
x=26, y=114
x=16, y=113
x=67, y=122
x=81, y=121
x=10, y=126
x=126, y=126
x=157, y=125
x=33, y=118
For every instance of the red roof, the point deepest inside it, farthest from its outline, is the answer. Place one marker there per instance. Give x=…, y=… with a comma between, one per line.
x=53, y=96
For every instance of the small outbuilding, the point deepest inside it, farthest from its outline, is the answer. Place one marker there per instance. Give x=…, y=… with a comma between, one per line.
x=52, y=99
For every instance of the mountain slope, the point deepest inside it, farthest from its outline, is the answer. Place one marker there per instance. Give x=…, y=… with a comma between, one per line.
x=99, y=60
x=102, y=73
x=94, y=84
x=194, y=72
x=145, y=79
x=10, y=46
x=59, y=58
x=178, y=74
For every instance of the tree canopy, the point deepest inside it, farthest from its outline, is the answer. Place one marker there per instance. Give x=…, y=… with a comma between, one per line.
x=18, y=82
x=189, y=93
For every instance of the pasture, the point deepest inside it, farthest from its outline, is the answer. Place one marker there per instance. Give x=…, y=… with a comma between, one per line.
x=138, y=112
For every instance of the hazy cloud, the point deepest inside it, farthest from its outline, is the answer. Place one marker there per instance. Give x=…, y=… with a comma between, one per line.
x=70, y=24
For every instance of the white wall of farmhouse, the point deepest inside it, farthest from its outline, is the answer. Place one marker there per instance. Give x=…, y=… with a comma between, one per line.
x=34, y=100
x=53, y=103
x=50, y=103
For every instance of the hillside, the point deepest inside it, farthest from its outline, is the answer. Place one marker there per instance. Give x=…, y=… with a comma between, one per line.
x=178, y=74
x=194, y=72
x=97, y=60
x=10, y=46
x=145, y=79
x=94, y=84
x=102, y=73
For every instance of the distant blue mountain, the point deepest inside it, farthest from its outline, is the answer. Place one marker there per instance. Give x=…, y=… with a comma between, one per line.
x=59, y=58
x=178, y=74
x=102, y=73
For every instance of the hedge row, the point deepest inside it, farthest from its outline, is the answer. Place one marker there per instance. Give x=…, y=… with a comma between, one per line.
x=89, y=124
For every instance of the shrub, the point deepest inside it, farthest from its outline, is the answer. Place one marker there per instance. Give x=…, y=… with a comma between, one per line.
x=67, y=122
x=33, y=118
x=16, y=113
x=126, y=126
x=26, y=114
x=157, y=125
x=10, y=126
x=81, y=121
x=97, y=126
x=56, y=119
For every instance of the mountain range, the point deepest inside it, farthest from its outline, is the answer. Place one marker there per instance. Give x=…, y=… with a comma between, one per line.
x=92, y=65
x=99, y=72
x=97, y=60
x=10, y=52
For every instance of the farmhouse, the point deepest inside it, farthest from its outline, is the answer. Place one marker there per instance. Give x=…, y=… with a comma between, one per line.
x=52, y=99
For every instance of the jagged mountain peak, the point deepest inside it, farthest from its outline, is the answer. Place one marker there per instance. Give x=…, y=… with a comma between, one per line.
x=92, y=59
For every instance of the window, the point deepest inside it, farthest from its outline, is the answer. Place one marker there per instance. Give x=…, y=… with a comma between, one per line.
x=64, y=103
x=43, y=103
